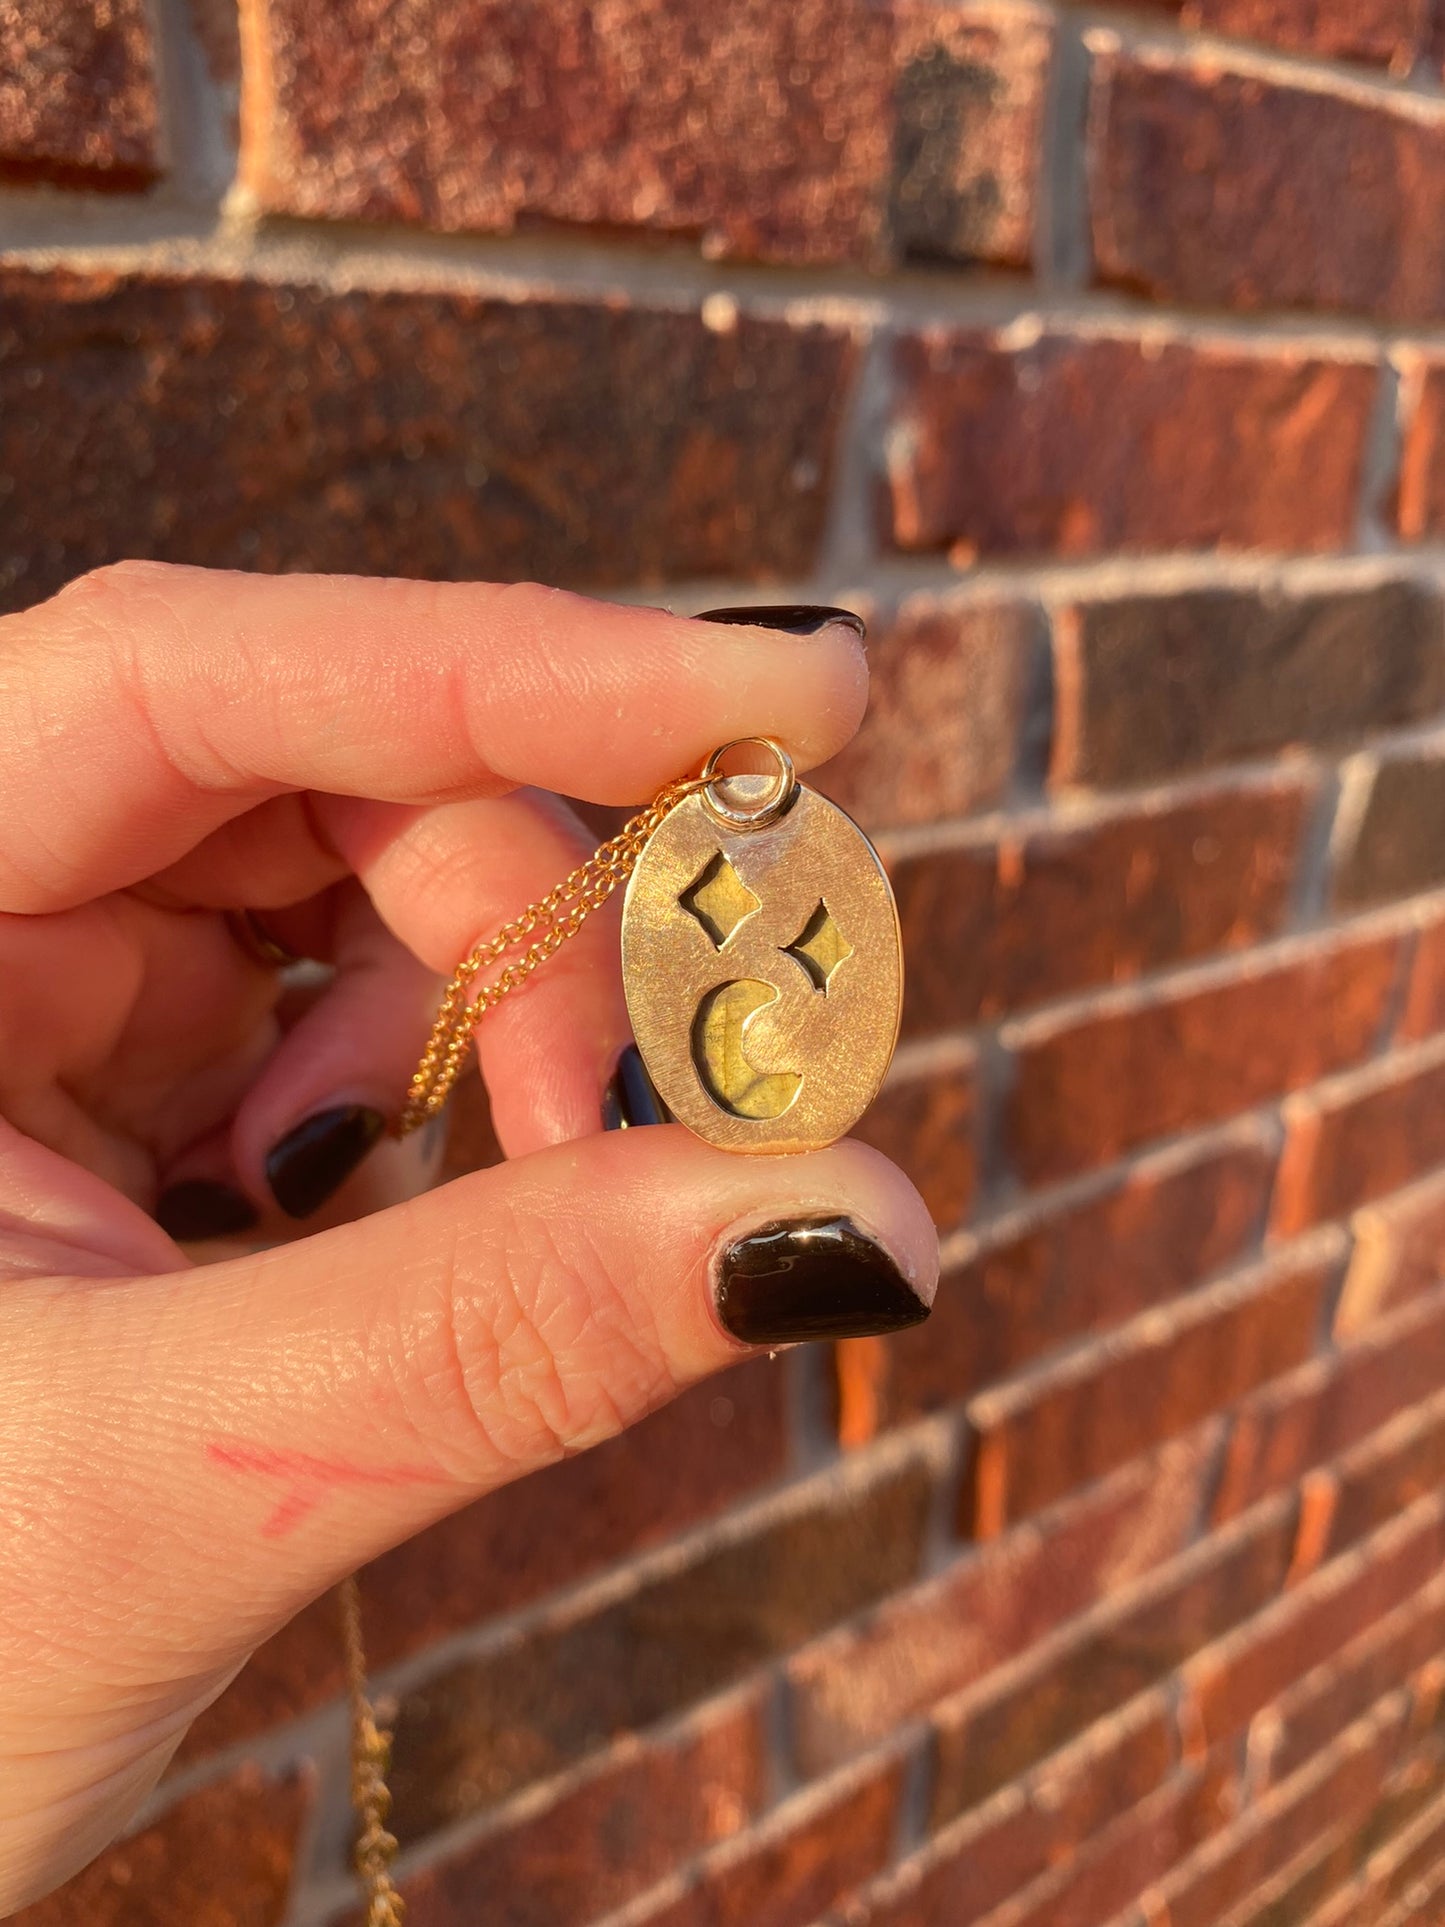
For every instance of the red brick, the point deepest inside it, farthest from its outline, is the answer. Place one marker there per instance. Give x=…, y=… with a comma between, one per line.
x=525, y=1707
x=459, y=435
x=1337, y=1787
x=78, y=93
x=1219, y=186
x=1088, y=1088
x=1413, y=1858
x=858, y=1684
x=1107, y=1873
x=1420, y=495
x=705, y=1451
x=1327, y=1700
x=1424, y=1012
x=1081, y=1268
x=222, y=1857
x=1360, y=1136
x=948, y=691
x=1398, y=847
x=1072, y=1422
x=980, y=1862
x=1399, y=1253
x=1011, y=1720
x=1390, y=1471
x=1331, y=1404
x=1236, y=1678
x=995, y=924
x=808, y=133
x=813, y=1851
x=925, y=1122
x=1029, y=440
x=1387, y=32
x=610, y=1837
x=1151, y=684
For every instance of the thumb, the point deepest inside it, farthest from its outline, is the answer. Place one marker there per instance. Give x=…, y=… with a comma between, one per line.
x=264, y=1425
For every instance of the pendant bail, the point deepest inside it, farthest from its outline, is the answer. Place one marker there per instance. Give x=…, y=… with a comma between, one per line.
x=756, y=813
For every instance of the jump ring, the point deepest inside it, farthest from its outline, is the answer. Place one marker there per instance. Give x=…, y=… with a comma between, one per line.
x=752, y=816
x=258, y=943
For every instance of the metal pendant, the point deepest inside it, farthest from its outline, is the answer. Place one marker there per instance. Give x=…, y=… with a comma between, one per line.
x=762, y=963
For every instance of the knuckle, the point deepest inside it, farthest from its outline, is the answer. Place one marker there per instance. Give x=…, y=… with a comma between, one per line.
x=546, y=1353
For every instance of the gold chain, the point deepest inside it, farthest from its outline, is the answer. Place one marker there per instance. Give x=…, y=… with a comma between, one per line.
x=557, y=916
x=375, y=1848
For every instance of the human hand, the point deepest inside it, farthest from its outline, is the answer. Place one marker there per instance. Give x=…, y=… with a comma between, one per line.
x=190, y=1451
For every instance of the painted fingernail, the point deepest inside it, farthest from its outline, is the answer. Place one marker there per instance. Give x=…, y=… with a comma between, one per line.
x=795, y=618
x=318, y=1157
x=203, y=1208
x=812, y=1278
x=631, y=1098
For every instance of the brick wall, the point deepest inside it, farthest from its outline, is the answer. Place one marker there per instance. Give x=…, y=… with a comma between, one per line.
x=1103, y=361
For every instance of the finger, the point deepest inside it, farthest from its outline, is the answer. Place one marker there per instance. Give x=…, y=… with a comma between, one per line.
x=270, y=1425
x=162, y=701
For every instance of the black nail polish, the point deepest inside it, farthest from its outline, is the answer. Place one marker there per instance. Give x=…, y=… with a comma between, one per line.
x=631, y=1098
x=795, y=618
x=203, y=1208
x=317, y=1157
x=816, y=1278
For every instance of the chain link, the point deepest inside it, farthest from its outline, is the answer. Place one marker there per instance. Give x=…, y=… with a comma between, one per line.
x=375, y=1847
x=557, y=916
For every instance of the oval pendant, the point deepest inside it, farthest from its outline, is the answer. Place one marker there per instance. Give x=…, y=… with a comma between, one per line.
x=762, y=965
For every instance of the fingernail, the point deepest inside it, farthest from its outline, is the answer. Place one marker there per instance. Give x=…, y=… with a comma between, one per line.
x=203, y=1208
x=317, y=1157
x=795, y=618
x=813, y=1278
x=631, y=1098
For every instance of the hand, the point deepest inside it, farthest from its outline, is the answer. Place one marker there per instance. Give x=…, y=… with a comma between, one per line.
x=190, y=1451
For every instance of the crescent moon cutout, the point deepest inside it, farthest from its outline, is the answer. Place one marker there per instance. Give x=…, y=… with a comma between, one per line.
x=719, y=1050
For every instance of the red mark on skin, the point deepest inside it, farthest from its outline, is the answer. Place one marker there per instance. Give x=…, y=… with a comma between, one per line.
x=308, y=1479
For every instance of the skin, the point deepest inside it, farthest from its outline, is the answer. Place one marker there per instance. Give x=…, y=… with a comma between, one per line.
x=195, y=1443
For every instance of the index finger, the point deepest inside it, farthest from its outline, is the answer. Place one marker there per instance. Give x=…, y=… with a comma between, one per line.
x=147, y=704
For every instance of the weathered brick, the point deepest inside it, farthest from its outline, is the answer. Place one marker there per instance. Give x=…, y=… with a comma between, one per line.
x=1034, y=440
x=1005, y=1725
x=1331, y=1404
x=808, y=133
x=1399, y=845
x=684, y=1463
x=221, y=1857
x=1162, y=1227
x=487, y=1724
x=1099, y=1881
x=1325, y=1701
x=78, y=93
x=1399, y=1253
x=1220, y=185
x=1424, y=1012
x=1359, y=1136
x=1088, y=1088
x=1338, y=1786
x=925, y=1123
x=1236, y=1678
x=948, y=691
x=814, y=1850
x=1420, y=493
x=857, y=1684
x=609, y=1838
x=994, y=924
x=458, y=435
x=1153, y=684
x=1387, y=32
x=976, y=1864
x=1382, y=1476
x=1069, y=1423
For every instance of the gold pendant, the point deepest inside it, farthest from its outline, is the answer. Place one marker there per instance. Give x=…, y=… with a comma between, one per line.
x=761, y=961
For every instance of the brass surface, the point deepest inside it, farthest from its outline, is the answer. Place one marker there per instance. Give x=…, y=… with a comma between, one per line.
x=762, y=966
